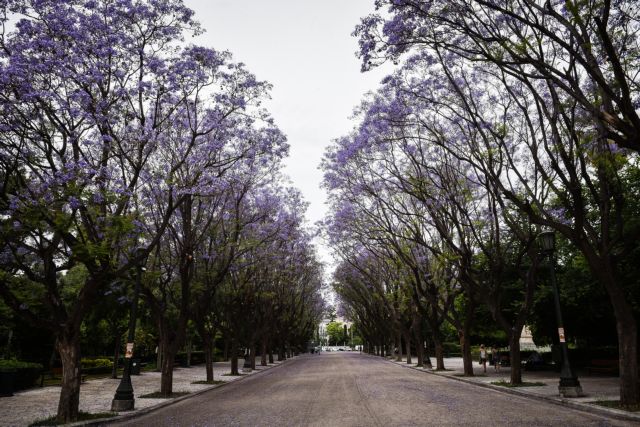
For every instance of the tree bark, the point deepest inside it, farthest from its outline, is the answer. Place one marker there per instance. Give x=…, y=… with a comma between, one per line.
x=628, y=365
x=263, y=353
x=116, y=356
x=188, y=348
x=234, y=357
x=514, y=355
x=626, y=328
x=252, y=356
x=68, y=346
x=270, y=355
x=427, y=358
x=208, y=344
x=465, y=346
x=439, y=350
x=166, y=378
x=159, y=357
x=417, y=333
x=407, y=344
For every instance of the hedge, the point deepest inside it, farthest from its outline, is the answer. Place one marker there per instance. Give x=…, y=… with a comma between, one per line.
x=27, y=373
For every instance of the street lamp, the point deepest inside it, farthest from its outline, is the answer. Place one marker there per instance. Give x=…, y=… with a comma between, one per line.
x=569, y=385
x=123, y=399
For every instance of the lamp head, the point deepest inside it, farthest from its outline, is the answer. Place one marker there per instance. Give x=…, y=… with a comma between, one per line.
x=547, y=241
x=140, y=253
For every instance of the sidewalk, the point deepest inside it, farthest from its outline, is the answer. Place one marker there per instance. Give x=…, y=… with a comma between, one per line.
x=28, y=406
x=595, y=387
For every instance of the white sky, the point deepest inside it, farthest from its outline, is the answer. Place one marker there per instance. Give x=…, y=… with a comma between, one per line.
x=305, y=49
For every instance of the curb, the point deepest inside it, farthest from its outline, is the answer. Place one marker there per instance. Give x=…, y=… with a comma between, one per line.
x=140, y=412
x=560, y=401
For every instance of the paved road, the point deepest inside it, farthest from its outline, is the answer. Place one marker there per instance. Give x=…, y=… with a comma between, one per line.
x=348, y=389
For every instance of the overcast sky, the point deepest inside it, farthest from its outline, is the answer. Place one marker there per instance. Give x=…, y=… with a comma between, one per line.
x=305, y=49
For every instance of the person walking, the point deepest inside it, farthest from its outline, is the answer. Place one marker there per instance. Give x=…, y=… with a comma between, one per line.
x=495, y=356
x=483, y=358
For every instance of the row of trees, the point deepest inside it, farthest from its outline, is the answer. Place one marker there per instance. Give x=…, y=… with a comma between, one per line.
x=122, y=145
x=504, y=119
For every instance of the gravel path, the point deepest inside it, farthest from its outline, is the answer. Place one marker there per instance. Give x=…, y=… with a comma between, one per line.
x=349, y=389
x=95, y=396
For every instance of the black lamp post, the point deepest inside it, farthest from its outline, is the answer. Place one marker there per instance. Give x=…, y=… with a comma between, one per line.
x=569, y=385
x=123, y=399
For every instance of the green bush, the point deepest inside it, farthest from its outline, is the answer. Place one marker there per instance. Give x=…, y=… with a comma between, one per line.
x=451, y=347
x=96, y=363
x=11, y=364
x=27, y=373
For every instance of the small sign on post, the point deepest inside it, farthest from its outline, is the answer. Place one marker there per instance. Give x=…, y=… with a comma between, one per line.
x=561, y=334
x=129, y=353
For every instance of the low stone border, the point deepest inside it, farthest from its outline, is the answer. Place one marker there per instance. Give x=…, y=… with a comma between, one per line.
x=561, y=401
x=140, y=412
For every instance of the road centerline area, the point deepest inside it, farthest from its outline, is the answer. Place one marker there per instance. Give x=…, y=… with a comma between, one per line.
x=350, y=389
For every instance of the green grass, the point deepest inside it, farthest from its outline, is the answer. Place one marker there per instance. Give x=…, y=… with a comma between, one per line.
x=82, y=416
x=208, y=382
x=615, y=404
x=158, y=395
x=523, y=384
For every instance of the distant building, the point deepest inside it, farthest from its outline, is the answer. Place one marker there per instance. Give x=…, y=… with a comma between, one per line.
x=322, y=328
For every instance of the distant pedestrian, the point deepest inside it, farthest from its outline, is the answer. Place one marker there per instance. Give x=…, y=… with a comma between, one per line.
x=483, y=358
x=495, y=355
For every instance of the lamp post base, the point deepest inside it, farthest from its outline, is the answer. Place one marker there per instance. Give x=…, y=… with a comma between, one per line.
x=570, y=387
x=575, y=391
x=118, y=405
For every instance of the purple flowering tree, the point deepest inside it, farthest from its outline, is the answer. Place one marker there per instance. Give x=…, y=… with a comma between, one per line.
x=88, y=93
x=584, y=50
x=538, y=98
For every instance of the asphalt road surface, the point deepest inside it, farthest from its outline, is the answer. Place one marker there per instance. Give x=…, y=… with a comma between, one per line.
x=349, y=389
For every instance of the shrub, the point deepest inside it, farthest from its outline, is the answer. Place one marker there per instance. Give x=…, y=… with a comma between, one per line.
x=96, y=363
x=96, y=366
x=27, y=373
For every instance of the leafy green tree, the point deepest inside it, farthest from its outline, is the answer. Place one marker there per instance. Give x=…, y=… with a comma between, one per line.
x=335, y=331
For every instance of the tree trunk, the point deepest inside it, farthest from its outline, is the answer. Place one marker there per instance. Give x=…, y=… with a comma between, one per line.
x=69, y=350
x=465, y=346
x=628, y=354
x=188, y=348
x=234, y=357
x=398, y=347
x=407, y=344
x=159, y=358
x=116, y=356
x=439, y=350
x=270, y=355
x=417, y=334
x=166, y=377
x=207, y=344
x=252, y=356
x=263, y=353
x=514, y=355
x=427, y=353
